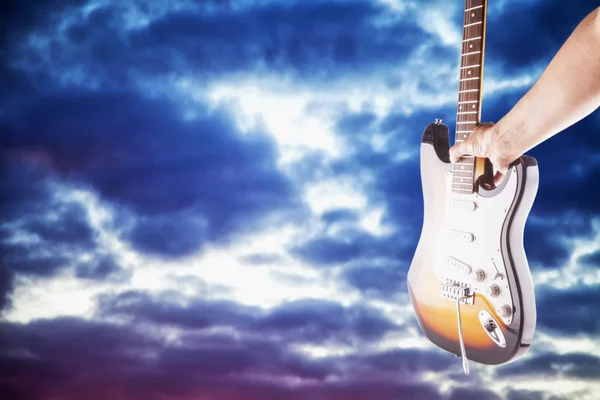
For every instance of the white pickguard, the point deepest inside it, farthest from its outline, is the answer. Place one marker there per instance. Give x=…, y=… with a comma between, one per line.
x=470, y=241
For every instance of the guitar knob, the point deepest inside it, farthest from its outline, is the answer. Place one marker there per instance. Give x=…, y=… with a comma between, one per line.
x=504, y=311
x=479, y=275
x=492, y=291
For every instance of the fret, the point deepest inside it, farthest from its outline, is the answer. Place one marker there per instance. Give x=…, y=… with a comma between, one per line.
x=474, y=8
x=464, y=131
x=470, y=66
x=475, y=38
x=468, y=102
x=474, y=23
x=468, y=91
x=466, y=174
x=473, y=52
x=471, y=4
x=462, y=191
x=468, y=122
x=469, y=79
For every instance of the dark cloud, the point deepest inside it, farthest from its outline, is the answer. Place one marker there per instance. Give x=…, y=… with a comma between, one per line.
x=592, y=259
x=543, y=28
x=311, y=321
x=340, y=215
x=322, y=321
x=407, y=362
x=17, y=16
x=352, y=245
x=43, y=232
x=309, y=39
x=263, y=258
x=546, y=239
x=102, y=268
x=525, y=395
x=71, y=358
x=570, y=365
x=381, y=281
x=568, y=311
x=6, y=286
x=173, y=184
x=473, y=393
x=167, y=309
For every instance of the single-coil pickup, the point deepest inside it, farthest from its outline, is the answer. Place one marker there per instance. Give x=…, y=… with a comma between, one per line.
x=459, y=266
x=464, y=205
x=462, y=236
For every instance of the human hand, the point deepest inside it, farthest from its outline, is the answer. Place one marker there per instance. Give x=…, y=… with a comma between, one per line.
x=483, y=142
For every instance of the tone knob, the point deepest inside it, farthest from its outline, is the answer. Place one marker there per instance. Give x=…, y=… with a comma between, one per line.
x=479, y=275
x=504, y=311
x=492, y=291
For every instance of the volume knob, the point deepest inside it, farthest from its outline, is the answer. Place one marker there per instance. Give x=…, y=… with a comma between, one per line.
x=504, y=311
x=492, y=291
x=479, y=275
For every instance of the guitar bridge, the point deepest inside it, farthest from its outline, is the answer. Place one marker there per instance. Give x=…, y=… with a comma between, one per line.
x=455, y=290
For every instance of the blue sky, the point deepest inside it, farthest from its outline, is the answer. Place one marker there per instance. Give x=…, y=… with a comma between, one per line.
x=220, y=200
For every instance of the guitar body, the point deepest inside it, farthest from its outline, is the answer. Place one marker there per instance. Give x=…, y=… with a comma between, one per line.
x=473, y=241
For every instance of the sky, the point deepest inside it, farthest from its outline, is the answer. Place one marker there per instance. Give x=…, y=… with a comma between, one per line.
x=220, y=199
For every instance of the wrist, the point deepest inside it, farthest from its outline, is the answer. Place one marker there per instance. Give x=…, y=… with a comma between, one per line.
x=502, y=152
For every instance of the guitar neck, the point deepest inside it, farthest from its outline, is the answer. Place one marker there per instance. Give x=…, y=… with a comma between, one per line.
x=471, y=81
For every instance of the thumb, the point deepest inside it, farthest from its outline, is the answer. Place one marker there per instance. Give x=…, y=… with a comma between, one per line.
x=457, y=151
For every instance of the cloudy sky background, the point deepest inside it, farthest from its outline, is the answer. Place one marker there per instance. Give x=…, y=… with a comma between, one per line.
x=220, y=200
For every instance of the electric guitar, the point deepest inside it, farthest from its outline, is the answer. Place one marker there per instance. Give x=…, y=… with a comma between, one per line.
x=469, y=281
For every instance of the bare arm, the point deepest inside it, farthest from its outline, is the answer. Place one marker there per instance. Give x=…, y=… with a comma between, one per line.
x=567, y=91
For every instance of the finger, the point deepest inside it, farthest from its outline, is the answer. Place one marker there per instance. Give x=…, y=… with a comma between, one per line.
x=499, y=176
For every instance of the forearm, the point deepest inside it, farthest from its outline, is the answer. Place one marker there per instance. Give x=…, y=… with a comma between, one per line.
x=567, y=91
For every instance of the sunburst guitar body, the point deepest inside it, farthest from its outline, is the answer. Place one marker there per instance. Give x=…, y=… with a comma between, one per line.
x=469, y=280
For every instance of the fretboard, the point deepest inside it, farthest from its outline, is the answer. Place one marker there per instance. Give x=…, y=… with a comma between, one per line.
x=469, y=95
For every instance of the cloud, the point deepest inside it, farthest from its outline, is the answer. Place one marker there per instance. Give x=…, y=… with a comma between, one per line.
x=473, y=393
x=173, y=184
x=380, y=281
x=543, y=29
x=592, y=260
x=69, y=358
x=305, y=321
x=564, y=366
x=307, y=39
x=570, y=311
x=44, y=231
x=525, y=395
